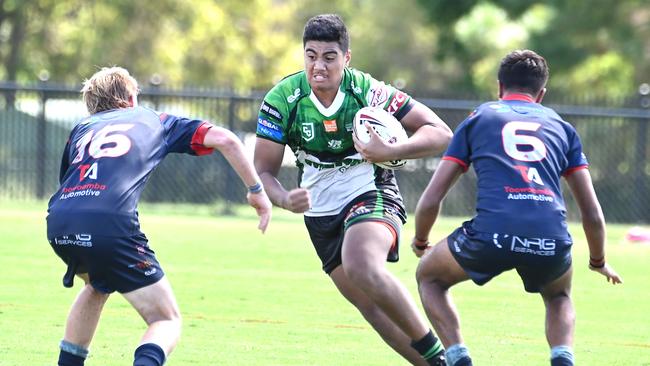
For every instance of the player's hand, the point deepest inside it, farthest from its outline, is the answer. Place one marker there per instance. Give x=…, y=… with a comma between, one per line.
x=376, y=150
x=419, y=247
x=608, y=272
x=260, y=201
x=297, y=200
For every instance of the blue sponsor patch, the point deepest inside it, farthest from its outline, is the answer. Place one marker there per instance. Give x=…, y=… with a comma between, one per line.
x=269, y=129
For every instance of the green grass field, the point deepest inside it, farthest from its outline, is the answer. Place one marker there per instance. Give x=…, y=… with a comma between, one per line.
x=249, y=299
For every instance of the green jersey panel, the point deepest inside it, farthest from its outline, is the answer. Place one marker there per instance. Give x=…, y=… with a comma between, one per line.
x=321, y=137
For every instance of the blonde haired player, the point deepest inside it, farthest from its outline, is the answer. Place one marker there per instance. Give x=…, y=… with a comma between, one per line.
x=93, y=220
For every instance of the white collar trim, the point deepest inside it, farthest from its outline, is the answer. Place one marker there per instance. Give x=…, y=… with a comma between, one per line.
x=333, y=108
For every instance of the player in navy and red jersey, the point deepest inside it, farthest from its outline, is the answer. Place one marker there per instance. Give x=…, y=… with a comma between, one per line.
x=520, y=150
x=93, y=220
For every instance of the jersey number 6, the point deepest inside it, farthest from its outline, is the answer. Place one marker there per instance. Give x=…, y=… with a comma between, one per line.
x=514, y=142
x=118, y=144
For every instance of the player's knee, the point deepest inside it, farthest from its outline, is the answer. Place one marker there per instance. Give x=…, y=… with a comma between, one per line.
x=424, y=273
x=362, y=273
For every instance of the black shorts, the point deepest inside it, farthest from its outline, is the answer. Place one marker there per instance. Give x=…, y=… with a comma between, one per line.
x=326, y=232
x=121, y=264
x=486, y=255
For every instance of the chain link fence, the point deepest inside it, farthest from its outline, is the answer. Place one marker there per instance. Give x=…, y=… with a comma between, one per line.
x=35, y=122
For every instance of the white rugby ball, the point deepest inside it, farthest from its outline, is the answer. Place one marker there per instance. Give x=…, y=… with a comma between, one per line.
x=386, y=126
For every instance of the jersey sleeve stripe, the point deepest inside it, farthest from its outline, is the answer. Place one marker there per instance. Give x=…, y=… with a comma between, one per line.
x=457, y=161
x=574, y=169
x=197, y=140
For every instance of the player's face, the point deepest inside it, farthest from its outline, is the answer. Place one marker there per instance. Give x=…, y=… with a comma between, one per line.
x=324, y=64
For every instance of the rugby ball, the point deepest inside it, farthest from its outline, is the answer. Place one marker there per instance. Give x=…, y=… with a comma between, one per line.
x=386, y=126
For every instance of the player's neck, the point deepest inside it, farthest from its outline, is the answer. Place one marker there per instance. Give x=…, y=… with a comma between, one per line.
x=524, y=97
x=325, y=97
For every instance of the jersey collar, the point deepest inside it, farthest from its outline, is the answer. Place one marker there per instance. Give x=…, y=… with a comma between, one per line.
x=519, y=97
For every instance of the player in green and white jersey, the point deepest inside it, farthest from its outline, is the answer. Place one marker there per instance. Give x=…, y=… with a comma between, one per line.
x=353, y=209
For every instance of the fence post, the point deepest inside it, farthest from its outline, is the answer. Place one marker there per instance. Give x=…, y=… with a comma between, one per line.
x=641, y=178
x=41, y=146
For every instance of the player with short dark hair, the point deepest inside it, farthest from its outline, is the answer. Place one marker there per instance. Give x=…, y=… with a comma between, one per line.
x=520, y=150
x=353, y=209
x=93, y=220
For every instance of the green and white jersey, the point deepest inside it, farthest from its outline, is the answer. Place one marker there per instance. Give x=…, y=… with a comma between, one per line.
x=321, y=138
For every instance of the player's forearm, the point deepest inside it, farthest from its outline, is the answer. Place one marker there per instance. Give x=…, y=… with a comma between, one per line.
x=594, y=227
x=274, y=189
x=426, y=214
x=233, y=150
x=427, y=141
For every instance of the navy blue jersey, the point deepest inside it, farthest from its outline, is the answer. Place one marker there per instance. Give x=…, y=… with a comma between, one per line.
x=106, y=163
x=520, y=150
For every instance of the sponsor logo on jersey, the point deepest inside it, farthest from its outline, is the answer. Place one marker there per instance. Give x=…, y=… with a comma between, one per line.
x=529, y=174
x=88, y=171
x=307, y=131
x=270, y=110
x=355, y=89
x=378, y=95
x=292, y=98
x=269, y=129
x=530, y=194
x=334, y=144
x=397, y=102
x=82, y=190
x=80, y=240
x=500, y=108
x=330, y=125
x=536, y=246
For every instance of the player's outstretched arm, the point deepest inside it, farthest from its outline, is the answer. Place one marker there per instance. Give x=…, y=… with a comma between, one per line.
x=428, y=207
x=268, y=159
x=593, y=223
x=431, y=135
x=233, y=150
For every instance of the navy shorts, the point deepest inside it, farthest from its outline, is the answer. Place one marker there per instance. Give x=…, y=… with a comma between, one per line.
x=326, y=232
x=486, y=255
x=121, y=264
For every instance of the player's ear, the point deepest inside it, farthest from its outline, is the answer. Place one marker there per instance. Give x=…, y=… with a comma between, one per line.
x=347, y=56
x=133, y=100
x=540, y=96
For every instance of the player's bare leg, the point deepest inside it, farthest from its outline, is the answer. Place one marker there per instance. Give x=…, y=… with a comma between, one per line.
x=436, y=273
x=81, y=323
x=157, y=306
x=389, y=332
x=365, y=247
x=560, y=318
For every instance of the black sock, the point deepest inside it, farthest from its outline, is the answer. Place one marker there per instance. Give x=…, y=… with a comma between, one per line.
x=428, y=347
x=149, y=354
x=68, y=359
x=561, y=361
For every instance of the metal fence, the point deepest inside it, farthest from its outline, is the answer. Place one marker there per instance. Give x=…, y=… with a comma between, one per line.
x=35, y=122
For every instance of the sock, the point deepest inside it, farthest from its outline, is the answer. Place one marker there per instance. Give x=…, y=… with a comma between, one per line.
x=71, y=354
x=561, y=356
x=149, y=354
x=458, y=355
x=429, y=347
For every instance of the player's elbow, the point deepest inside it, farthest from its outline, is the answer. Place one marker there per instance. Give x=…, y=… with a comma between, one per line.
x=221, y=139
x=593, y=219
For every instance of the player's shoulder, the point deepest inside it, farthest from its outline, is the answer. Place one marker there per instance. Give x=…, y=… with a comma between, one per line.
x=290, y=88
x=358, y=82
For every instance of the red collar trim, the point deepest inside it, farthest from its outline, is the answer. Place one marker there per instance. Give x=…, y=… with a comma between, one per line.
x=519, y=97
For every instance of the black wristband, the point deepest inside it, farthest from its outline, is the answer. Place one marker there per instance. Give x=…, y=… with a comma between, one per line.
x=601, y=265
x=420, y=244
